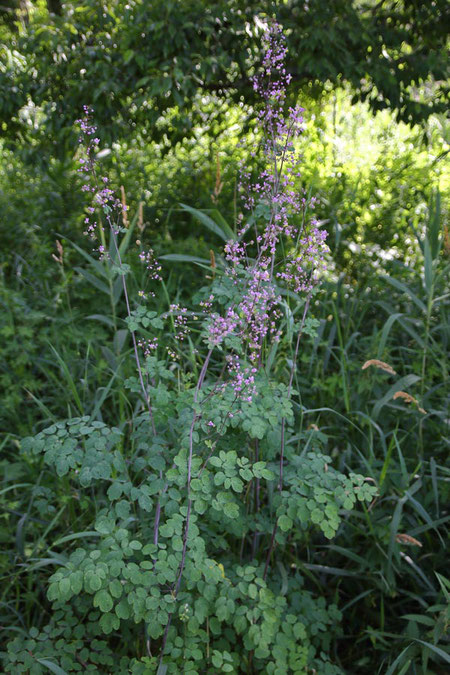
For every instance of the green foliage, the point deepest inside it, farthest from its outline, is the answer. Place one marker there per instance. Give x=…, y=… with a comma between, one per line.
x=356, y=579
x=134, y=61
x=125, y=578
x=152, y=569
x=92, y=459
x=100, y=489
x=318, y=494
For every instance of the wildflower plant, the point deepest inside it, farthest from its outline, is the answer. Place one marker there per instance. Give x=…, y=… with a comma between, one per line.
x=209, y=494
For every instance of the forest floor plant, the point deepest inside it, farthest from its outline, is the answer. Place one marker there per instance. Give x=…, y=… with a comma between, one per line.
x=201, y=494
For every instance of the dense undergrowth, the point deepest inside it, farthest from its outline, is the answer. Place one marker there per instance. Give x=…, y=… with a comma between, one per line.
x=175, y=539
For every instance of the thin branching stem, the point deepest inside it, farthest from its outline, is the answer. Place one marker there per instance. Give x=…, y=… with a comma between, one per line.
x=189, y=504
x=283, y=425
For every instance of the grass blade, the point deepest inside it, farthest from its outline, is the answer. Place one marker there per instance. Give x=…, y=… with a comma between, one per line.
x=224, y=232
x=99, y=285
x=69, y=379
x=436, y=650
x=180, y=257
x=401, y=385
x=100, y=269
x=399, y=285
x=53, y=667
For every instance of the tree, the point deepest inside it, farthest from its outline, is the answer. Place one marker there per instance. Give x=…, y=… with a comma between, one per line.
x=134, y=60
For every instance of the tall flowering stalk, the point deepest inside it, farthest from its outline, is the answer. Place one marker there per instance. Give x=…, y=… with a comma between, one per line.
x=274, y=197
x=104, y=201
x=250, y=323
x=256, y=276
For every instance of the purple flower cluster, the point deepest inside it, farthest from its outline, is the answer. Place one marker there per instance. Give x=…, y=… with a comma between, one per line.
x=275, y=199
x=235, y=251
x=152, y=265
x=242, y=378
x=180, y=320
x=304, y=266
x=221, y=327
x=104, y=199
x=249, y=324
x=148, y=346
x=276, y=184
x=102, y=196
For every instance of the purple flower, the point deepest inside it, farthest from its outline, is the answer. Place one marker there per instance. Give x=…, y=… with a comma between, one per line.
x=273, y=198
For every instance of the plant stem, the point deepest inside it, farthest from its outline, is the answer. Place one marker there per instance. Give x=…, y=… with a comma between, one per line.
x=283, y=424
x=189, y=505
x=133, y=336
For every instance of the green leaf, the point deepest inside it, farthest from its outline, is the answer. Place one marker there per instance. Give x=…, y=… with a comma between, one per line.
x=246, y=474
x=317, y=515
x=115, y=490
x=231, y=509
x=177, y=543
x=428, y=268
x=437, y=650
x=115, y=588
x=237, y=484
x=166, y=530
x=401, y=385
x=123, y=509
x=76, y=535
x=385, y=333
x=253, y=591
x=109, y=622
x=65, y=588
x=145, y=502
x=103, y=601
x=122, y=610
x=405, y=289
x=99, y=285
x=397, y=661
x=217, y=659
x=179, y=257
x=76, y=582
x=98, y=266
x=135, y=545
x=285, y=523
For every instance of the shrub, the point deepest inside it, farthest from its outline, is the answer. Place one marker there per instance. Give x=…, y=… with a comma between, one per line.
x=196, y=500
